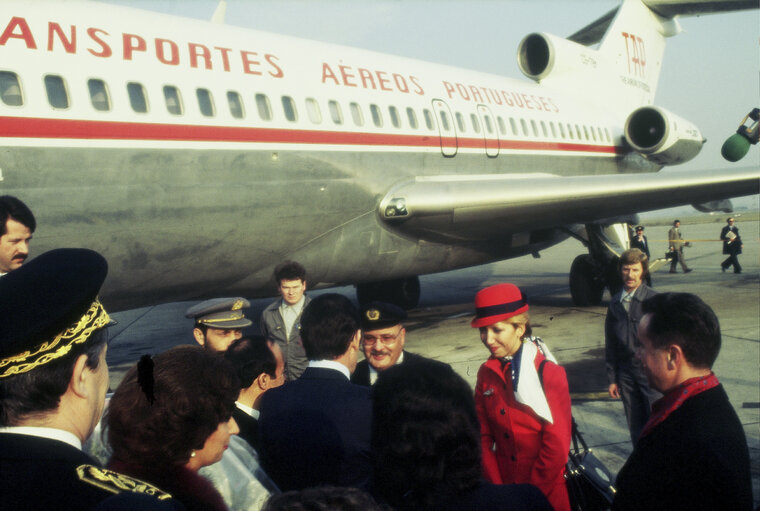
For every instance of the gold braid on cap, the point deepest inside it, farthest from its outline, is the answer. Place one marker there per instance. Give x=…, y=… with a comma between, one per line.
x=95, y=317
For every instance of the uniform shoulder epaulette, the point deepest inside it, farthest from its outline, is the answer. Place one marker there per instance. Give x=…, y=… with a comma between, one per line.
x=115, y=482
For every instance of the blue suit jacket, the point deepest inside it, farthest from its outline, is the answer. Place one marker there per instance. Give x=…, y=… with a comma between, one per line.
x=316, y=430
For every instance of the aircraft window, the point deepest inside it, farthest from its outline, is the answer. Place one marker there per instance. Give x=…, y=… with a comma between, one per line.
x=264, y=107
x=235, y=102
x=535, y=129
x=137, y=97
x=312, y=109
x=99, y=95
x=205, y=102
x=585, y=133
x=289, y=107
x=475, y=123
x=513, y=124
x=599, y=132
x=561, y=130
x=428, y=119
x=56, y=91
x=356, y=114
x=377, y=116
x=173, y=100
x=502, y=125
x=395, y=119
x=554, y=130
x=460, y=122
x=445, y=120
x=488, y=123
x=593, y=133
x=607, y=134
x=412, y=116
x=578, y=131
x=335, y=113
x=570, y=131
x=543, y=129
x=10, y=89
x=524, y=126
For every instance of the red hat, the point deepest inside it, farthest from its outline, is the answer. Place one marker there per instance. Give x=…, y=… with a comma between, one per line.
x=497, y=303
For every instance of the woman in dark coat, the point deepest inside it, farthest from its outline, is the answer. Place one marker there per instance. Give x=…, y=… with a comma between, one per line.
x=522, y=398
x=172, y=415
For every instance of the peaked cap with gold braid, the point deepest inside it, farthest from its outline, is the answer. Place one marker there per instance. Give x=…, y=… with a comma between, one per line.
x=48, y=306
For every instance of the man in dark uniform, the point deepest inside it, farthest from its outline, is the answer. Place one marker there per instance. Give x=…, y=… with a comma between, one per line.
x=383, y=339
x=692, y=453
x=53, y=381
x=732, y=245
x=640, y=241
x=219, y=322
x=259, y=364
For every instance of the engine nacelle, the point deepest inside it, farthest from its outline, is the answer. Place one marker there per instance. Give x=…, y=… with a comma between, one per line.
x=661, y=136
x=540, y=55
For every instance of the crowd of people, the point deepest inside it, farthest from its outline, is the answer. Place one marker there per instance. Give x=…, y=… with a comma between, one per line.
x=291, y=419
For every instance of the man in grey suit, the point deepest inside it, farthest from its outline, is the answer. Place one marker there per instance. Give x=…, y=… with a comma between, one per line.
x=626, y=376
x=281, y=320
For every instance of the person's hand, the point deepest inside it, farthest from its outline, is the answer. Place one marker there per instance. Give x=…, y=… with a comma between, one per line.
x=614, y=391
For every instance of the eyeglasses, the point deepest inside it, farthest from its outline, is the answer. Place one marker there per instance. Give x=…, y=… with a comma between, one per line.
x=385, y=339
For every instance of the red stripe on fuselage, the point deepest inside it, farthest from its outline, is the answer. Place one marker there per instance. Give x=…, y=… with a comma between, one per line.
x=41, y=128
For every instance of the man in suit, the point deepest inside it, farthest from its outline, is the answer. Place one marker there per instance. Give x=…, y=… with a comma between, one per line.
x=53, y=382
x=281, y=320
x=17, y=224
x=627, y=380
x=732, y=245
x=383, y=339
x=260, y=367
x=692, y=453
x=640, y=241
x=676, y=244
x=316, y=430
x=219, y=322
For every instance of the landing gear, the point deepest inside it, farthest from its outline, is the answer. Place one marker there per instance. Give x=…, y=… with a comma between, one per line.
x=402, y=292
x=586, y=288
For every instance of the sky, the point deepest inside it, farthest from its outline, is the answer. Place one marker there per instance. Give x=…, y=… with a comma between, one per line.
x=710, y=77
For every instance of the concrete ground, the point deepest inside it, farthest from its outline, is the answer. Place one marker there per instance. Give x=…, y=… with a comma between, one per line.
x=439, y=327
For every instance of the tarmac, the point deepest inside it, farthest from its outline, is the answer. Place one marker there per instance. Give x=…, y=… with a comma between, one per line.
x=439, y=328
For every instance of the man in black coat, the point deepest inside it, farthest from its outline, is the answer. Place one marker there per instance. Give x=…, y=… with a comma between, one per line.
x=692, y=454
x=53, y=382
x=732, y=245
x=640, y=241
x=260, y=366
x=383, y=339
x=315, y=430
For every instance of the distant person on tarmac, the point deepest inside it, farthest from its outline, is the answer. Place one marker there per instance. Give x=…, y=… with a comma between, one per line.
x=732, y=245
x=676, y=243
x=627, y=380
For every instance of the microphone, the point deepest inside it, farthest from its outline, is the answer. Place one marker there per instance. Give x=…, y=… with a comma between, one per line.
x=737, y=145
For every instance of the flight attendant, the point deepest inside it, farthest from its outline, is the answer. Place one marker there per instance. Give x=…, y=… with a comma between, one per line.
x=522, y=398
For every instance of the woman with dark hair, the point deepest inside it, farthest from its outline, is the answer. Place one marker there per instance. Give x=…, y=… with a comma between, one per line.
x=426, y=441
x=522, y=398
x=172, y=415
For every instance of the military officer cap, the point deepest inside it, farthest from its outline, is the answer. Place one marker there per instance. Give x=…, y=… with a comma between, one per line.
x=222, y=313
x=377, y=315
x=49, y=305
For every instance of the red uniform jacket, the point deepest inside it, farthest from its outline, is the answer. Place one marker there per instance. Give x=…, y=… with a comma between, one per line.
x=518, y=446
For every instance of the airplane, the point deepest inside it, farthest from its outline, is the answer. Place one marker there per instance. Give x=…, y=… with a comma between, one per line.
x=196, y=156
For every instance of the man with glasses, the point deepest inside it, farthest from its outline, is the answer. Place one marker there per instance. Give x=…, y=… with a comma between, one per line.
x=383, y=339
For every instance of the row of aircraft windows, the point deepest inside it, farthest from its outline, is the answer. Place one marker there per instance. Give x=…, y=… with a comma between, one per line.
x=100, y=98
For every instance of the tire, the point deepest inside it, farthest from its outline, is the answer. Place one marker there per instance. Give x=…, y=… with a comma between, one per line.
x=585, y=288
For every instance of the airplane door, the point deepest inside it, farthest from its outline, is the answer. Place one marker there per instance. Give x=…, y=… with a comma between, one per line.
x=446, y=128
x=490, y=131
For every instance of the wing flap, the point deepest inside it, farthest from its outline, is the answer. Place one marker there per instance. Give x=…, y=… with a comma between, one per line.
x=485, y=207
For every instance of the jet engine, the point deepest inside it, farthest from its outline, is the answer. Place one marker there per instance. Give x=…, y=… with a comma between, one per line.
x=661, y=136
x=540, y=55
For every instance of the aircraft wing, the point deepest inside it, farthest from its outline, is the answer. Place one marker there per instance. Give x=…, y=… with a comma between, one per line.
x=479, y=208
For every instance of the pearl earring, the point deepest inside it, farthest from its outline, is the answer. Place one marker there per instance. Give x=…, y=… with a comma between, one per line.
x=192, y=454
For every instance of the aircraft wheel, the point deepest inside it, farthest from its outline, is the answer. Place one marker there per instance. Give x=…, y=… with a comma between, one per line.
x=585, y=289
x=402, y=292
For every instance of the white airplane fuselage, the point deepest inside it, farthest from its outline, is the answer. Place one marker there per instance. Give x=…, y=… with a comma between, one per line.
x=247, y=148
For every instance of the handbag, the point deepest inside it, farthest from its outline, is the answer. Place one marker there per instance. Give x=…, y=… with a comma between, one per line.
x=589, y=483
